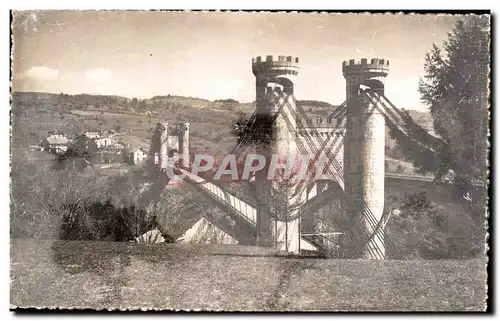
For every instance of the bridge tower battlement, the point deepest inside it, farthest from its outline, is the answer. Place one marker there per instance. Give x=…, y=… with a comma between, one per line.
x=275, y=65
x=364, y=144
x=371, y=73
x=275, y=81
x=274, y=72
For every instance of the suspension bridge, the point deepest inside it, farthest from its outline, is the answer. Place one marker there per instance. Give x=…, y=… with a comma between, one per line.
x=348, y=199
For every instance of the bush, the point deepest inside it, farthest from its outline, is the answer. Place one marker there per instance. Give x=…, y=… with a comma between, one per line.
x=103, y=221
x=418, y=203
x=69, y=205
x=422, y=231
x=37, y=201
x=410, y=229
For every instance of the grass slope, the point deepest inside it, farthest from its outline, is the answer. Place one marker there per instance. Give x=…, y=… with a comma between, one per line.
x=232, y=278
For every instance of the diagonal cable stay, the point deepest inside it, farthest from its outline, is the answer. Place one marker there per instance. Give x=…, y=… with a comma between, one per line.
x=359, y=230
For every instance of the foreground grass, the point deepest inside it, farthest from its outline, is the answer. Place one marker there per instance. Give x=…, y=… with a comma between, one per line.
x=104, y=275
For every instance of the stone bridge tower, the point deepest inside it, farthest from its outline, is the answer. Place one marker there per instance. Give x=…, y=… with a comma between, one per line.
x=364, y=146
x=164, y=146
x=275, y=79
x=163, y=155
x=184, y=156
x=275, y=76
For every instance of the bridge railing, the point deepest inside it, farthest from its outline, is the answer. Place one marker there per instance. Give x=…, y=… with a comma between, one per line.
x=245, y=210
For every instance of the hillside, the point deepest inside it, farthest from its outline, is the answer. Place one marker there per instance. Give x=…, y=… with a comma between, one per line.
x=34, y=114
x=323, y=109
x=106, y=275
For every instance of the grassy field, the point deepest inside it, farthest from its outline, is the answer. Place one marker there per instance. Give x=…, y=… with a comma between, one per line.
x=232, y=278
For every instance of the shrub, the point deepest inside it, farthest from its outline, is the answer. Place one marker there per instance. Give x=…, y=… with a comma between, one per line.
x=103, y=221
x=69, y=205
x=415, y=231
x=37, y=201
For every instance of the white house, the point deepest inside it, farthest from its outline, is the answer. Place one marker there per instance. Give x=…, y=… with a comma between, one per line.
x=119, y=145
x=139, y=155
x=94, y=135
x=104, y=142
x=55, y=143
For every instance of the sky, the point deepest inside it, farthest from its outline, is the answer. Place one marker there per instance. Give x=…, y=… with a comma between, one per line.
x=208, y=55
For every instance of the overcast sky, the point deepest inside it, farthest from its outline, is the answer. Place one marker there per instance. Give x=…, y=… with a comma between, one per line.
x=208, y=55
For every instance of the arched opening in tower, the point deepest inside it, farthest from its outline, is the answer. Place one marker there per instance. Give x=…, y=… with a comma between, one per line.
x=273, y=87
x=173, y=155
x=285, y=83
x=376, y=85
x=172, y=152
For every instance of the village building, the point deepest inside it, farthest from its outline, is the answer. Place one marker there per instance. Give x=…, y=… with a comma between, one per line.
x=139, y=155
x=94, y=135
x=105, y=142
x=55, y=143
x=119, y=145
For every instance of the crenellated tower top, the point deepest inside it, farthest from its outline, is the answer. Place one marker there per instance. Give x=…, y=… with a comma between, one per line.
x=365, y=66
x=371, y=73
x=184, y=124
x=275, y=65
x=275, y=72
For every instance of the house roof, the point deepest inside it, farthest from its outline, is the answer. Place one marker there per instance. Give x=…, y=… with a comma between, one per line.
x=140, y=149
x=57, y=140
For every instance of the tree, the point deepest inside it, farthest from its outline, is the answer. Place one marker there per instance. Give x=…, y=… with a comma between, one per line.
x=239, y=126
x=143, y=105
x=285, y=204
x=455, y=88
x=78, y=154
x=283, y=196
x=134, y=102
x=84, y=146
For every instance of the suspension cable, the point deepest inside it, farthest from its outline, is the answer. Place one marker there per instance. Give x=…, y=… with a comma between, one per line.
x=369, y=216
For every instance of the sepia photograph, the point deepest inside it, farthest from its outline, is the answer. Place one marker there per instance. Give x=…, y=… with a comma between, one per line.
x=254, y=161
